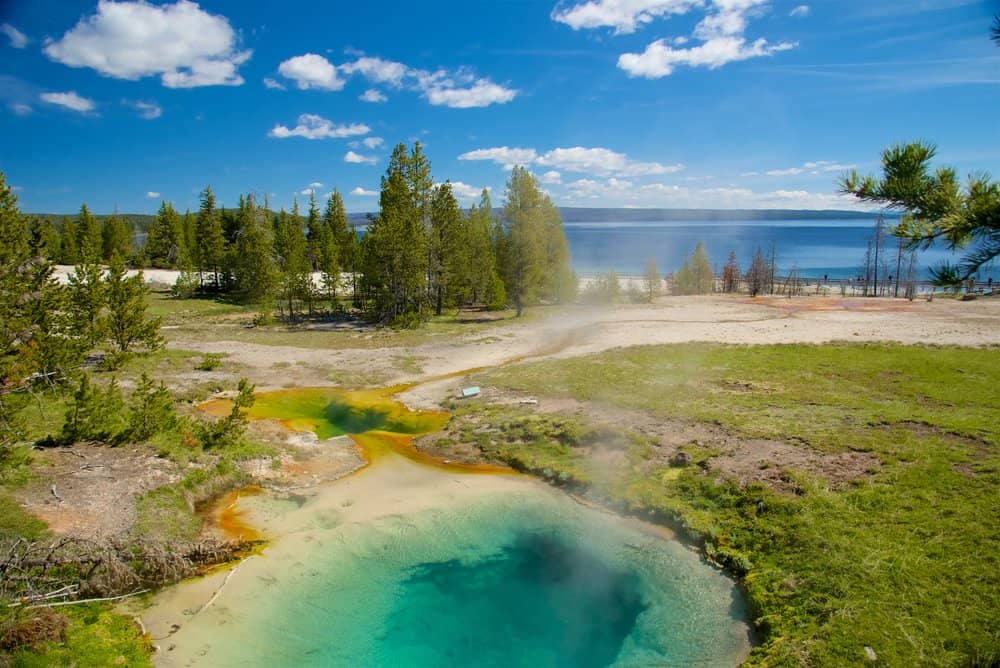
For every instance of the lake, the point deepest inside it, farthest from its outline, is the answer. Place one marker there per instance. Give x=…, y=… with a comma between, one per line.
x=835, y=248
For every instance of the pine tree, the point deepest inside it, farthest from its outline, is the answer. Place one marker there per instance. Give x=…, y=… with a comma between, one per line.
x=89, y=241
x=43, y=238
x=126, y=323
x=652, y=280
x=116, y=237
x=290, y=252
x=210, y=242
x=94, y=414
x=482, y=264
x=254, y=269
x=731, y=274
x=701, y=270
x=151, y=411
x=525, y=238
x=445, y=249
x=165, y=238
x=344, y=241
x=86, y=295
x=69, y=252
x=327, y=262
x=396, y=249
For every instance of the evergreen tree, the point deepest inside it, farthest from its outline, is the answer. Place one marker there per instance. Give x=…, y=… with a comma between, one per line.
x=701, y=270
x=189, y=260
x=254, y=270
x=314, y=223
x=651, y=280
x=482, y=265
x=116, y=237
x=290, y=251
x=165, y=239
x=69, y=252
x=126, y=323
x=152, y=410
x=396, y=253
x=86, y=296
x=530, y=225
x=43, y=238
x=89, y=242
x=445, y=249
x=210, y=242
x=327, y=262
x=731, y=274
x=95, y=414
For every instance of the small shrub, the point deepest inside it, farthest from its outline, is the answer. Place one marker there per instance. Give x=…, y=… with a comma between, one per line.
x=152, y=410
x=210, y=362
x=95, y=414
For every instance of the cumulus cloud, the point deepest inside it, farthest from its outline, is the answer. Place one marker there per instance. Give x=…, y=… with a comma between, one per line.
x=313, y=126
x=466, y=192
x=659, y=60
x=147, y=110
x=307, y=191
x=185, y=45
x=625, y=16
x=69, y=100
x=460, y=89
x=378, y=70
x=551, y=177
x=372, y=95
x=359, y=159
x=361, y=192
x=20, y=108
x=152, y=194
x=372, y=142
x=311, y=71
x=18, y=39
x=508, y=157
x=273, y=84
x=315, y=184
x=800, y=11
x=599, y=161
x=721, y=32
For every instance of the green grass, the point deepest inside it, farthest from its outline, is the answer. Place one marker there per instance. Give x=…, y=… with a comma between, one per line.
x=96, y=636
x=903, y=561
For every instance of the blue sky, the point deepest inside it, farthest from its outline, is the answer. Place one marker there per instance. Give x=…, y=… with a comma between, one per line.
x=663, y=103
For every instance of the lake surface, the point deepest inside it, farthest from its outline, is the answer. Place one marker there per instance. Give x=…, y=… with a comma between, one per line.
x=835, y=248
x=410, y=562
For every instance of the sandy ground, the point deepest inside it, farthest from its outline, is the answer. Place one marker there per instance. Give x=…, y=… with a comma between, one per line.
x=578, y=330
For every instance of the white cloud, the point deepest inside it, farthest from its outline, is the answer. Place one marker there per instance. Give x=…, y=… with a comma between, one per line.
x=482, y=93
x=186, y=46
x=800, y=11
x=372, y=142
x=18, y=39
x=378, y=70
x=361, y=192
x=312, y=126
x=721, y=32
x=308, y=191
x=148, y=110
x=659, y=60
x=601, y=161
x=70, y=100
x=358, y=159
x=273, y=84
x=625, y=16
x=311, y=71
x=372, y=95
x=459, y=89
x=465, y=191
x=152, y=194
x=508, y=157
x=315, y=184
x=552, y=177
x=814, y=167
x=20, y=108
x=615, y=192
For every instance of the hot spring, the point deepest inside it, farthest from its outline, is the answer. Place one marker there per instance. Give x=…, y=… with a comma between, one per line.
x=411, y=563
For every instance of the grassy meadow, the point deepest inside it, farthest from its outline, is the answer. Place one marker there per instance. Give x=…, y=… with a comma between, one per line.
x=902, y=559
